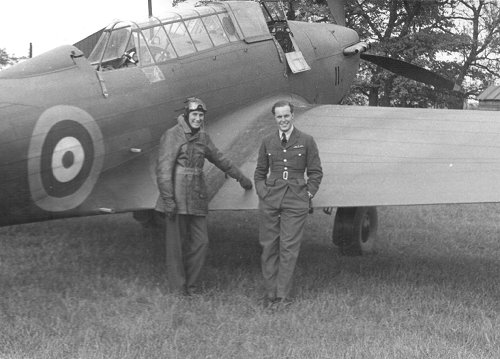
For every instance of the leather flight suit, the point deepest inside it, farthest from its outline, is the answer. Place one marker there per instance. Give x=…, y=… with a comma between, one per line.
x=183, y=192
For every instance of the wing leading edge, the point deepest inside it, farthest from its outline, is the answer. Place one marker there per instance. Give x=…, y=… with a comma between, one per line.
x=375, y=156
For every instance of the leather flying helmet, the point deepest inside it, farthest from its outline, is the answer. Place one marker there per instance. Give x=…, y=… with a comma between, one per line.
x=194, y=104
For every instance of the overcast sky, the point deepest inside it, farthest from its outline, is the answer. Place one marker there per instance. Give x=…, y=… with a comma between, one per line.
x=51, y=23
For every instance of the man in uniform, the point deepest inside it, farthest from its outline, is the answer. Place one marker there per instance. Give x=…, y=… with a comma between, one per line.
x=284, y=199
x=183, y=193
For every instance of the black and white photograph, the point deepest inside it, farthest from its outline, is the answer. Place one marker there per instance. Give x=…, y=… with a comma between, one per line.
x=241, y=179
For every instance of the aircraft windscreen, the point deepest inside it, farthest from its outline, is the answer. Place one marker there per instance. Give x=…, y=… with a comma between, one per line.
x=112, y=45
x=96, y=54
x=117, y=44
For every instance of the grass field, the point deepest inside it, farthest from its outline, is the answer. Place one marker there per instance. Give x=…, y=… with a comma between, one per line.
x=95, y=288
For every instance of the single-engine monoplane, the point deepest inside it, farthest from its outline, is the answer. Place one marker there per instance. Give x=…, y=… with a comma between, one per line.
x=79, y=135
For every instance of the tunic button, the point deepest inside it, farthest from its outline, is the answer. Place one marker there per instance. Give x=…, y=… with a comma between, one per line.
x=286, y=168
x=284, y=160
x=284, y=150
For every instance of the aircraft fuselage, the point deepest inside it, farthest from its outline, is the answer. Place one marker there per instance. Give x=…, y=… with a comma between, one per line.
x=67, y=130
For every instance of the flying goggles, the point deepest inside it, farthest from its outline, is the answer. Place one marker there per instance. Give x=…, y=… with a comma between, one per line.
x=195, y=104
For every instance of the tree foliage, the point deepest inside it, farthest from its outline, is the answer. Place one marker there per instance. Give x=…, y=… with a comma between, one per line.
x=477, y=35
x=458, y=39
x=6, y=59
x=412, y=31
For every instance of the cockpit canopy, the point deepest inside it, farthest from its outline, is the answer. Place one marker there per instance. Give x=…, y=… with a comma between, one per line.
x=178, y=34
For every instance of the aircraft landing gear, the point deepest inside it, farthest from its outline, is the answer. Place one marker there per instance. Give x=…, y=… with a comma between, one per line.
x=355, y=230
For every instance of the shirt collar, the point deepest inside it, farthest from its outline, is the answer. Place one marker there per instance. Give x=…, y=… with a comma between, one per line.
x=287, y=133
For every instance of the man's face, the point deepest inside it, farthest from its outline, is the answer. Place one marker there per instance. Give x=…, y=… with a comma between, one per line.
x=196, y=119
x=284, y=117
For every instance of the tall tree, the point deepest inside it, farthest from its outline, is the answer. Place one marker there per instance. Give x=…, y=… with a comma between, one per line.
x=411, y=31
x=476, y=43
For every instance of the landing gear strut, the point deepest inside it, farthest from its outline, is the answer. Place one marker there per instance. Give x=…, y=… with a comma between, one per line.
x=355, y=230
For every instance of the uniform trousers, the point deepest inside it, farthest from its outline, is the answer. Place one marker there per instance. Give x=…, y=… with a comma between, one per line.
x=280, y=235
x=186, y=247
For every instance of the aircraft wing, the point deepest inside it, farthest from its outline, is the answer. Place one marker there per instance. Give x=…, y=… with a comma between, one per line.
x=375, y=156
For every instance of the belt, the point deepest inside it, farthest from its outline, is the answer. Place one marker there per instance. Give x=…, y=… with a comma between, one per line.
x=188, y=170
x=286, y=175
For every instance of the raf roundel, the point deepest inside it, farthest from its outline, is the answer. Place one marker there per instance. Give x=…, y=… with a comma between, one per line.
x=65, y=159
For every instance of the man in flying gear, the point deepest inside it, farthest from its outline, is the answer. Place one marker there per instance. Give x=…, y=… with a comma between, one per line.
x=183, y=194
x=284, y=200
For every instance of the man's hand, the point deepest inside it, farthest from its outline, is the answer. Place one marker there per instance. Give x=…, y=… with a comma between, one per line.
x=170, y=210
x=171, y=214
x=311, y=209
x=246, y=183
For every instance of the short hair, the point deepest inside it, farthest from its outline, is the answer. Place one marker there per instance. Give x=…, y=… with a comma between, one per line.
x=282, y=103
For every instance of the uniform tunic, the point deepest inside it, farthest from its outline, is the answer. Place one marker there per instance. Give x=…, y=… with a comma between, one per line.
x=284, y=204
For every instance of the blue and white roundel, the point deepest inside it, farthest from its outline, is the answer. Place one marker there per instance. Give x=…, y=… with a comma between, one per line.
x=66, y=154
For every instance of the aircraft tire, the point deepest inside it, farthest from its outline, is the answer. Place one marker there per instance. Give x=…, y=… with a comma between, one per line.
x=355, y=230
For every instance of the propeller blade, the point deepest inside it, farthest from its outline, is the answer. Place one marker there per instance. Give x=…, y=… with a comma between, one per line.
x=337, y=8
x=412, y=72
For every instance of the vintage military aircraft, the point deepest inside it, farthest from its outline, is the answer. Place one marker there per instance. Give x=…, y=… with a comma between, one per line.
x=79, y=136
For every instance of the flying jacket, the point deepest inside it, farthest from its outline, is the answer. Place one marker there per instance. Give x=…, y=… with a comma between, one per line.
x=179, y=170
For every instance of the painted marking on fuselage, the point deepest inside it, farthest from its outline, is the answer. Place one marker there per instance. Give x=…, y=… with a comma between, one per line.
x=65, y=159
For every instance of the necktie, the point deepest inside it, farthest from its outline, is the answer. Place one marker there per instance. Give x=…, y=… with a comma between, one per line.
x=283, y=139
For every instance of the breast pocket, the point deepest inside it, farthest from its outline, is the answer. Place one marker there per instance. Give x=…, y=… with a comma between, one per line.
x=299, y=158
x=272, y=158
